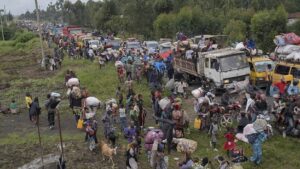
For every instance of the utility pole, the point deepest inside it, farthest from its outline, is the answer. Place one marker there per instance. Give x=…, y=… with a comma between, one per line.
x=2, y=24
x=40, y=32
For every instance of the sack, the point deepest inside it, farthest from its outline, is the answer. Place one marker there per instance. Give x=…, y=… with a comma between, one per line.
x=164, y=103
x=73, y=82
x=197, y=92
x=80, y=124
x=153, y=135
x=76, y=92
x=92, y=101
x=279, y=40
x=186, y=145
x=119, y=64
x=292, y=38
x=197, y=123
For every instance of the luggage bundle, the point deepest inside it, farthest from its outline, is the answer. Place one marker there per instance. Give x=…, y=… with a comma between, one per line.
x=119, y=64
x=151, y=136
x=73, y=82
x=288, y=46
x=285, y=39
x=76, y=92
x=185, y=145
x=197, y=92
x=92, y=101
x=164, y=103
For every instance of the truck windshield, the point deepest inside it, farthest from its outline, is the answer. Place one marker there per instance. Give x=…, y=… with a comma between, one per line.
x=75, y=31
x=233, y=62
x=94, y=43
x=262, y=66
x=282, y=70
x=133, y=45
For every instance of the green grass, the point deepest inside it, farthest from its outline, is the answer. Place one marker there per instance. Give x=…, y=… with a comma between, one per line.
x=32, y=138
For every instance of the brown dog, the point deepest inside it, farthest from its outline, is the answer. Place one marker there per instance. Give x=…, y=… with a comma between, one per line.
x=106, y=151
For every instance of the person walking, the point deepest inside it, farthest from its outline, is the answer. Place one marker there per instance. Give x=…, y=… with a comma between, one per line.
x=213, y=131
x=28, y=102
x=257, y=139
x=34, y=110
x=123, y=118
x=268, y=78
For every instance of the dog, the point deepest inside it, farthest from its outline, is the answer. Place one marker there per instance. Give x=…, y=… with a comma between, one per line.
x=106, y=151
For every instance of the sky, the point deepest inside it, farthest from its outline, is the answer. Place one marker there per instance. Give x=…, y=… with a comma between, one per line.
x=17, y=7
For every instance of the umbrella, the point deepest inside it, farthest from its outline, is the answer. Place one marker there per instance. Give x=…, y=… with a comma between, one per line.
x=165, y=54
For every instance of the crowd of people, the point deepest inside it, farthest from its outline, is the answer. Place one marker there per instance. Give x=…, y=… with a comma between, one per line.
x=126, y=111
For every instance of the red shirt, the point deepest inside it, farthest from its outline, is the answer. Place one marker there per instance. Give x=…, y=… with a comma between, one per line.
x=281, y=86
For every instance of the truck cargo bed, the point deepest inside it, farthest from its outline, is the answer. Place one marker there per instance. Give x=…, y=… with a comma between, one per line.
x=187, y=66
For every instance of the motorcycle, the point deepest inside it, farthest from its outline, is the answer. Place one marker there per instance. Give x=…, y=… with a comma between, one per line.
x=234, y=110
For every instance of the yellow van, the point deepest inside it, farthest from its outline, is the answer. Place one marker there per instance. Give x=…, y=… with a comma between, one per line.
x=258, y=66
x=287, y=70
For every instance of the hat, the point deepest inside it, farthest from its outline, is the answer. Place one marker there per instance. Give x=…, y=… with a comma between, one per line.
x=259, y=125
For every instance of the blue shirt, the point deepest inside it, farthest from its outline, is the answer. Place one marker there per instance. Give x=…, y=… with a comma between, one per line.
x=293, y=90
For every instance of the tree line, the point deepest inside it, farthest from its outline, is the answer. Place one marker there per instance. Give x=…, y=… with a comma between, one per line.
x=260, y=20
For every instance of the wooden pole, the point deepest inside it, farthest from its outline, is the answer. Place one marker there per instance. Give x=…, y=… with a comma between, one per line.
x=40, y=139
x=40, y=32
x=60, y=136
x=1, y=25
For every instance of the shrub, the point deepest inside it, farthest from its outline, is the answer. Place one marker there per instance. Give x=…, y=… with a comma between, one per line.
x=24, y=37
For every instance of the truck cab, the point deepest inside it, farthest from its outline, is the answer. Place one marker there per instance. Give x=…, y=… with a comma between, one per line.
x=223, y=67
x=288, y=70
x=258, y=66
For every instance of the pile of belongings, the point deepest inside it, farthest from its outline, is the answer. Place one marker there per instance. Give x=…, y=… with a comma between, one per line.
x=285, y=39
x=185, y=145
x=251, y=129
x=249, y=47
x=288, y=46
x=151, y=136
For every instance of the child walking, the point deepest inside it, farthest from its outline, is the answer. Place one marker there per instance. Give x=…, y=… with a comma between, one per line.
x=123, y=118
x=213, y=131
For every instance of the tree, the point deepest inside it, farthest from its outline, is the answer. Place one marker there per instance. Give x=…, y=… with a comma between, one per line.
x=164, y=26
x=236, y=31
x=266, y=24
x=162, y=6
x=184, y=20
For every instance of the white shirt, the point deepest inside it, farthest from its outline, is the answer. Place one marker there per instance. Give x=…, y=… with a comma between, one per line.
x=181, y=86
x=188, y=54
x=250, y=102
x=91, y=52
x=122, y=112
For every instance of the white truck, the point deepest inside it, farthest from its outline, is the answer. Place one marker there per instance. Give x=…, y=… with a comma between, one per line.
x=222, y=67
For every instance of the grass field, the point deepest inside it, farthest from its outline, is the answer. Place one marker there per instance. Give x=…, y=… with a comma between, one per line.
x=278, y=153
